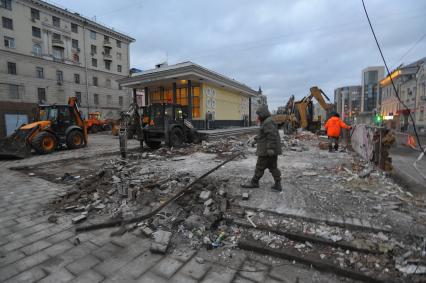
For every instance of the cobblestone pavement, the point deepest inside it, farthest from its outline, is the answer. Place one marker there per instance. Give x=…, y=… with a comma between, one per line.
x=32, y=249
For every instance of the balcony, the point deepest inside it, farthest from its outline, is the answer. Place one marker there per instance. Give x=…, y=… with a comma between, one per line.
x=58, y=43
x=107, y=44
x=107, y=56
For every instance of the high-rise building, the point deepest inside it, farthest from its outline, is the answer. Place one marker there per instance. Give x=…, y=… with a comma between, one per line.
x=370, y=95
x=48, y=53
x=348, y=102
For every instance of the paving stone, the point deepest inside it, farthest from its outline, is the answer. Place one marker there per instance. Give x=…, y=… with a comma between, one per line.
x=32, y=275
x=59, y=237
x=167, y=267
x=88, y=276
x=183, y=255
x=182, y=278
x=111, y=265
x=59, y=248
x=137, y=267
x=106, y=251
x=219, y=273
x=83, y=264
x=150, y=277
x=194, y=269
x=35, y=247
x=11, y=257
x=239, y=279
x=59, y=276
x=251, y=267
x=21, y=265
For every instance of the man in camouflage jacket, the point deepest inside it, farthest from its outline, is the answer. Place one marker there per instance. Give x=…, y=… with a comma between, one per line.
x=268, y=148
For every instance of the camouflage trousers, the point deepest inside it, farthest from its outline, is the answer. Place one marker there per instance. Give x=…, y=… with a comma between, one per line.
x=267, y=162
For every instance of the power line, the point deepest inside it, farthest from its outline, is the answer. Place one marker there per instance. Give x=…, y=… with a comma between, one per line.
x=411, y=48
x=393, y=84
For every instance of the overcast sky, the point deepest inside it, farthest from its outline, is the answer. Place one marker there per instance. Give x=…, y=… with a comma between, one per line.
x=285, y=46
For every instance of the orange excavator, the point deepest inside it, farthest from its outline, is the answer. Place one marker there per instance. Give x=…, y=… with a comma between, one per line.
x=95, y=123
x=55, y=126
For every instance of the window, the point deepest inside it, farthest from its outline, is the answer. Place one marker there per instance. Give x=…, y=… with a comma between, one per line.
x=39, y=72
x=75, y=57
x=56, y=21
x=95, y=81
x=118, y=55
x=74, y=43
x=94, y=62
x=93, y=34
x=58, y=53
x=7, y=23
x=59, y=77
x=78, y=95
x=96, y=99
x=11, y=68
x=14, y=91
x=9, y=42
x=35, y=14
x=120, y=87
x=93, y=49
x=120, y=100
x=6, y=4
x=109, y=100
x=118, y=43
x=107, y=51
x=106, y=38
x=56, y=36
x=36, y=32
x=107, y=65
x=119, y=68
x=74, y=28
x=77, y=78
x=108, y=83
x=41, y=94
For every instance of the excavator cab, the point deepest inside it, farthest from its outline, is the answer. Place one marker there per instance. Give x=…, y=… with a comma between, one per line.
x=56, y=125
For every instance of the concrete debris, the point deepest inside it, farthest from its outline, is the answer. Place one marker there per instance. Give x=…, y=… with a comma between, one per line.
x=205, y=195
x=161, y=241
x=147, y=231
x=53, y=219
x=208, y=202
x=199, y=260
x=245, y=196
x=79, y=218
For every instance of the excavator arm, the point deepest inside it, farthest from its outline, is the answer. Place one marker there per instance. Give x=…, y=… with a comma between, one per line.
x=302, y=105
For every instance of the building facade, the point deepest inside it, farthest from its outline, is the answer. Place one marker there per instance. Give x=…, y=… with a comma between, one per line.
x=409, y=81
x=348, y=102
x=421, y=99
x=210, y=99
x=370, y=93
x=48, y=54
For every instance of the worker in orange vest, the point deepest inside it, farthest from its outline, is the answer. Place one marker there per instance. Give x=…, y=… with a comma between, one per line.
x=333, y=126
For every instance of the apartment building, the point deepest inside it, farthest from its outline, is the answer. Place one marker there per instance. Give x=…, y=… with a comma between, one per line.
x=48, y=53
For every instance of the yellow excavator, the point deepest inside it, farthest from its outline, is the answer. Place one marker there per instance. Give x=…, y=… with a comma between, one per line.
x=305, y=111
x=300, y=114
x=55, y=126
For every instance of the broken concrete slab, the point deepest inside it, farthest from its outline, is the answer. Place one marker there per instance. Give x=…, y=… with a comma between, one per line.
x=79, y=218
x=245, y=196
x=205, y=195
x=161, y=241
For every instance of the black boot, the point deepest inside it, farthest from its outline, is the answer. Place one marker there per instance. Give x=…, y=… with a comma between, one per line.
x=277, y=186
x=253, y=184
x=336, y=147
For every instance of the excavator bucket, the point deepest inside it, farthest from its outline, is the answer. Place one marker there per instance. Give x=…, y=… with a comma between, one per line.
x=16, y=145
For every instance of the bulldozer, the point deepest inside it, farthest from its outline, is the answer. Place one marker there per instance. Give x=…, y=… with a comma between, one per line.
x=55, y=126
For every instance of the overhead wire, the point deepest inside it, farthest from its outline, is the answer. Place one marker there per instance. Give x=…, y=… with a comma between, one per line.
x=397, y=95
x=411, y=48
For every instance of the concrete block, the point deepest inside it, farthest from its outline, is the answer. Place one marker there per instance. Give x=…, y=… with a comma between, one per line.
x=79, y=218
x=161, y=241
x=205, y=195
x=245, y=196
x=208, y=202
x=147, y=231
